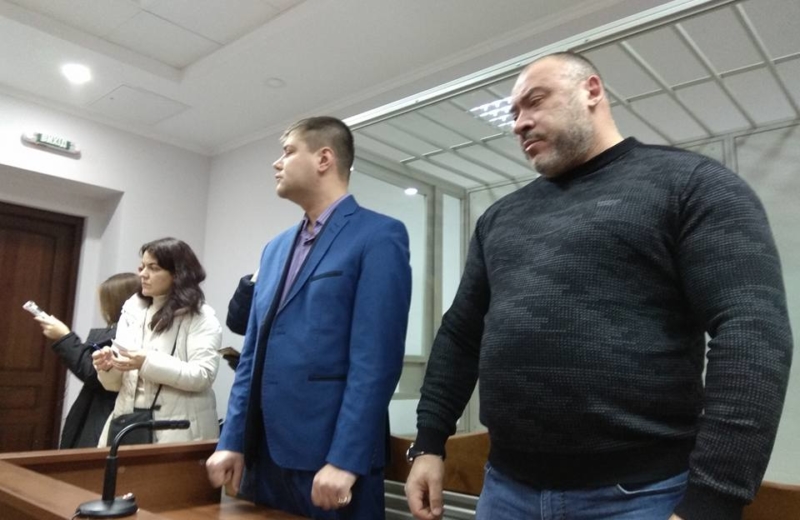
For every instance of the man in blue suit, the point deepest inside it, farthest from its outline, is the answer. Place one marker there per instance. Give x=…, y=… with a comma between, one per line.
x=324, y=345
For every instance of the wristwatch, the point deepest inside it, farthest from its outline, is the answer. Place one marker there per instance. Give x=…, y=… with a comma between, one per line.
x=413, y=452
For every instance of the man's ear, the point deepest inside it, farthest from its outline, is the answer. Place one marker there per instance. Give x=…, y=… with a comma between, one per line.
x=595, y=90
x=325, y=159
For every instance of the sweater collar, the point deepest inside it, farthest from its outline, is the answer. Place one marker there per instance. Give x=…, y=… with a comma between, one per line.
x=597, y=162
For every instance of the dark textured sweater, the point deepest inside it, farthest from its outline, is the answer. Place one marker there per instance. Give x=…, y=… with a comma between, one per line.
x=583, y=307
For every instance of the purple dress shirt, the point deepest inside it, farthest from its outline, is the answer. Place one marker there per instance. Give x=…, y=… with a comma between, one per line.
x=304, y=241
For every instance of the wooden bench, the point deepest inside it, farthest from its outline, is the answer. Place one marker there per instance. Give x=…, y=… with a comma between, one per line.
x=464, y=466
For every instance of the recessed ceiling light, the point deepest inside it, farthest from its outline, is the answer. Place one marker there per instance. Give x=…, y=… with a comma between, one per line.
x=77, y=74
x=411, y=191
x=275, y=83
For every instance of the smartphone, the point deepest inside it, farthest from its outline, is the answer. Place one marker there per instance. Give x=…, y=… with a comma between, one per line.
x=34, y=309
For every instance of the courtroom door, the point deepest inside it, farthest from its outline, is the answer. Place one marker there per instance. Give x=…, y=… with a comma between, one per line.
x=39, y=255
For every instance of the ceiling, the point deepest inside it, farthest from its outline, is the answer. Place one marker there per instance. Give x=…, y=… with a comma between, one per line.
x=726, y=67
x=211, y=75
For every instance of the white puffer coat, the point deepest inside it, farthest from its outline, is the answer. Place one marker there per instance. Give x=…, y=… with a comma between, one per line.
x=187, y=376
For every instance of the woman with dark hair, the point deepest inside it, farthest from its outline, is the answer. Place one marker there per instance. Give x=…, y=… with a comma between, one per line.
x=94, y=404
x=167, y=342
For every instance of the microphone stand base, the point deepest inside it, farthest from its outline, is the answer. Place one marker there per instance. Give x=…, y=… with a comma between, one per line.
x=119, y=507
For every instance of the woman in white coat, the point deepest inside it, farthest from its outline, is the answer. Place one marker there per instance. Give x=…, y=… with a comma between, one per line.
x=168, y=314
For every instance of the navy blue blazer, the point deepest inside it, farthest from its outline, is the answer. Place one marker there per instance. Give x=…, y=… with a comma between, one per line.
x=318, y=370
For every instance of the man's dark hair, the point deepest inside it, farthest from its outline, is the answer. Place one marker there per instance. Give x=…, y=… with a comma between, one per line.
x=321, y=131
x=580, y=67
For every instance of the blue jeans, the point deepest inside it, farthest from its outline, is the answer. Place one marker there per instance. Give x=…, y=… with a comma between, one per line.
x=505, y=499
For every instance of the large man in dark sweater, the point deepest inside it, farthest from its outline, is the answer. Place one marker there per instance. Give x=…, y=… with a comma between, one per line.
x=583, y=310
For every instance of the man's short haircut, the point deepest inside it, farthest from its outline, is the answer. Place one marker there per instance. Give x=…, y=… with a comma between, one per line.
x=321, y=131
x=579, y=68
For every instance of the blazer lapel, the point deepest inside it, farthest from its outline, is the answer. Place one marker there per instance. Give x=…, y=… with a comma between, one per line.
x=274, y=285
x=337, y=221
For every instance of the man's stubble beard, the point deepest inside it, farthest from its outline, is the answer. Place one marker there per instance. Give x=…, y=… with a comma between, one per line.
x=569, y=146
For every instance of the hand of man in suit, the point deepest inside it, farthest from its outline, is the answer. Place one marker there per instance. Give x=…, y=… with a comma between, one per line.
x=225, y=468
x=332, y=487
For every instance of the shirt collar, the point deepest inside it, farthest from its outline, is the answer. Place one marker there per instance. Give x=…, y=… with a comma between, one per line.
x=322, y=218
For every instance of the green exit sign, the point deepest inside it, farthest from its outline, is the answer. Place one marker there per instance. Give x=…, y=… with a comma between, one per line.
x=52, y=142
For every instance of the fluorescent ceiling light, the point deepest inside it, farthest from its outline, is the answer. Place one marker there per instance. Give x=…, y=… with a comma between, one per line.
x=411, y=191
x=76, y=74
x=496, y=113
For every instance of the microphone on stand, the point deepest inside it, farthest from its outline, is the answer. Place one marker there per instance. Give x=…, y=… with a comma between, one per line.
x=109, y=506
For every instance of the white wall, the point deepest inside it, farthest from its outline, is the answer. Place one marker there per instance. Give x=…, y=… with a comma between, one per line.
x=129, y=188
